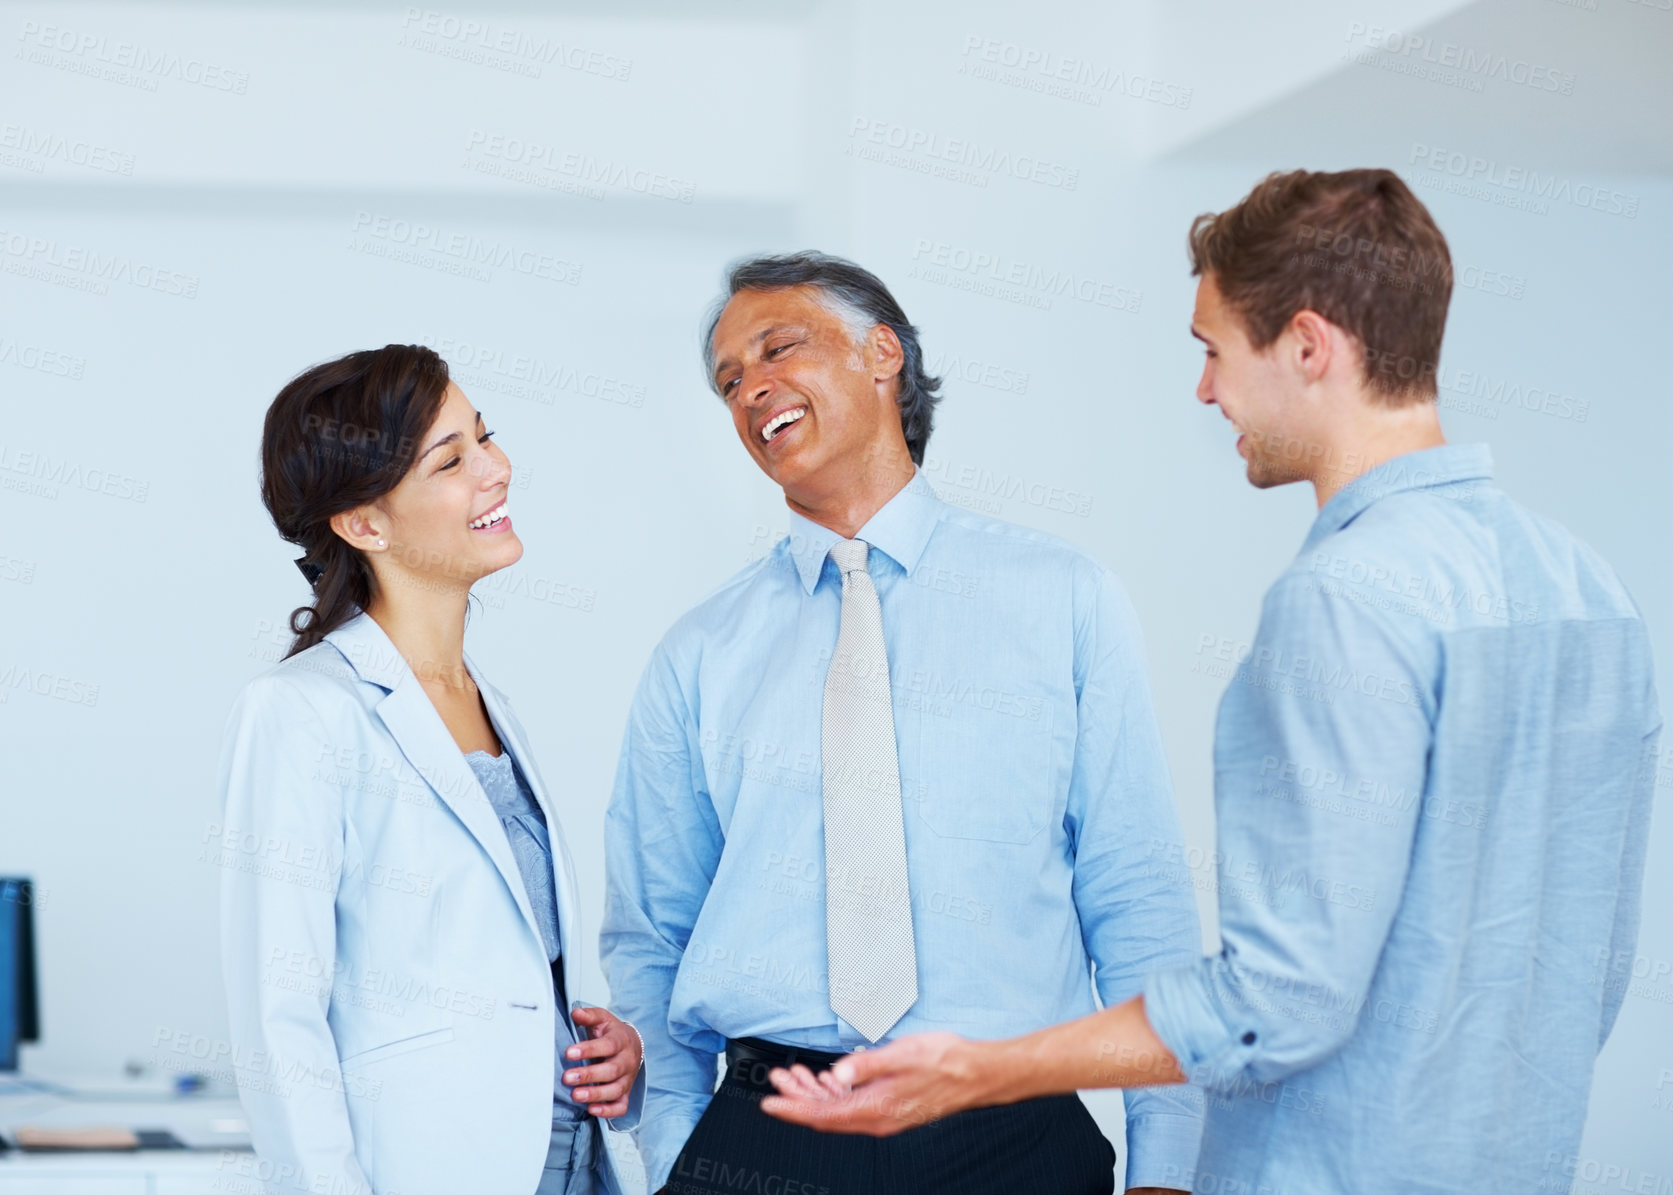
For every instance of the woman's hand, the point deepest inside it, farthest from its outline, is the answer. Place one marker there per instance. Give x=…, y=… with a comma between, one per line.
x=604, y=1085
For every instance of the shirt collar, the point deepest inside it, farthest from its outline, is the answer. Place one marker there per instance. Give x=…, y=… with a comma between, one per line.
x=1429, y=469
x=900, y=530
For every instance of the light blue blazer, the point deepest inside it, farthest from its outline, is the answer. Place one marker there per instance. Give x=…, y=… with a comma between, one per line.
x=391, y=1003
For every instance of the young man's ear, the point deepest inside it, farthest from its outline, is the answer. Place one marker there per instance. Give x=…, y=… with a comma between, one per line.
x=1313, y=344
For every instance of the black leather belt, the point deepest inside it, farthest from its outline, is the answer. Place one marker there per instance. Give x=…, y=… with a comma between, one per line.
x=771, y=1053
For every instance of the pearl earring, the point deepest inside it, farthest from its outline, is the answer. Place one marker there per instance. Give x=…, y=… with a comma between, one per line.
x=381, y=544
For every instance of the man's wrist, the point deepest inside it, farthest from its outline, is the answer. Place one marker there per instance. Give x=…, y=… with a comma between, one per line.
x=997, y=1072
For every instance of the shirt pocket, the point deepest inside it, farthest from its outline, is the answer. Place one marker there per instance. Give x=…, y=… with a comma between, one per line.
x=986, y=768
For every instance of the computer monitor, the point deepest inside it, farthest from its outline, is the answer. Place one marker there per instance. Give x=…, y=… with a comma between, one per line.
x=19, y=998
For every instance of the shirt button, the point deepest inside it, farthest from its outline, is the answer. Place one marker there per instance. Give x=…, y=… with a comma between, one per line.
x=1249, y=1038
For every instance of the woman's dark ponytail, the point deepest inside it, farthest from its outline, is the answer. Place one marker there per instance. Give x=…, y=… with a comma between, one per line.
x=340, y=435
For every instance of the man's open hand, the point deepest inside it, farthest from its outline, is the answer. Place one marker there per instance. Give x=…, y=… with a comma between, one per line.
x=883, y=1091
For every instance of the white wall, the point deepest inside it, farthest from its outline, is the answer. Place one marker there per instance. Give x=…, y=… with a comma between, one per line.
x=276, y=202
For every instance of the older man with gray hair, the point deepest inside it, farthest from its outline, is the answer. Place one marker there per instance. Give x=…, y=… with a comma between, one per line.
x=901, y=774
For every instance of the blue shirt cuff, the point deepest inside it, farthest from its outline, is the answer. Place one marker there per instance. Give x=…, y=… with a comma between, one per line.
x=1162, y=1150
x=1182, y=1009
x=635, y=1105
x=671, y=1130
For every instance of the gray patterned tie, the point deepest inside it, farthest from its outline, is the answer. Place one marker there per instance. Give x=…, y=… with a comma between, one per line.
x=870, y=952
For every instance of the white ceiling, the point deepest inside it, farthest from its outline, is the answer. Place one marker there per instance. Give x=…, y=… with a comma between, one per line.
x=1616, y=121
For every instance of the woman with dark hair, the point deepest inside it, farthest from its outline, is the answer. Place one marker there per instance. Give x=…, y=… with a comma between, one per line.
x=398, y=932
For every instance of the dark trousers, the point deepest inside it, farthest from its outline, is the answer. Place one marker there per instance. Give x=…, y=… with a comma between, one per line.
x=1048, y=1146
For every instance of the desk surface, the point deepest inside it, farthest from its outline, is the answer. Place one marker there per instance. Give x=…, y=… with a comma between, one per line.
x=210, y=1125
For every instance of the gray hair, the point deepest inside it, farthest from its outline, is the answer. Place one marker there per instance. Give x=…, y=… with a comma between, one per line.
x=858, y=298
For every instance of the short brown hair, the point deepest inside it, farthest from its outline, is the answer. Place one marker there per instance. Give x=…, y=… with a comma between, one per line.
x=1358, y=248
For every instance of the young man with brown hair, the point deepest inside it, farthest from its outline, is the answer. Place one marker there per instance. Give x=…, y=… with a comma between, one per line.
x=1431, y=772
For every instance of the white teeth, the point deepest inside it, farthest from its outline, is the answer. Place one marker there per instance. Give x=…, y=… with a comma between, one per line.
x=782, y=419
x=489, y=519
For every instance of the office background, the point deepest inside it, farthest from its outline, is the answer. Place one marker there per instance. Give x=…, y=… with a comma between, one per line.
x=197, y=200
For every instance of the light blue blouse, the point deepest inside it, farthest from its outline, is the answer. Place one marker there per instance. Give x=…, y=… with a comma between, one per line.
x=531, y=845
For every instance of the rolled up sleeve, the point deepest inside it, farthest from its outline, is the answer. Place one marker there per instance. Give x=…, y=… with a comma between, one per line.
x=1334, y=706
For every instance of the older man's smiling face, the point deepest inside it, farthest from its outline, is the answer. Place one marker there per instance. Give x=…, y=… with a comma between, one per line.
x=809, y=400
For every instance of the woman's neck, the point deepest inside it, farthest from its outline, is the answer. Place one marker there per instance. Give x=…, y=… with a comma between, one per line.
x=428, y=629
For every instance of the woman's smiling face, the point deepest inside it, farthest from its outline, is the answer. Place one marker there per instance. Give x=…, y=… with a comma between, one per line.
x=447, y=520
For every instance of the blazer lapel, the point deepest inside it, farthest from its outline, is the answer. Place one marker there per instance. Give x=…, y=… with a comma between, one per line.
x=412, y=720
x=511, y=735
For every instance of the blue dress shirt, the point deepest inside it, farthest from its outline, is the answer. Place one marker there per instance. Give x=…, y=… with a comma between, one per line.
x=1034, y=790
x=531, y=845
x=1433, y=789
